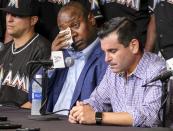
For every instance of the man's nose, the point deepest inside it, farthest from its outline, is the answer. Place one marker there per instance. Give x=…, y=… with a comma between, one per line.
x=74, y=35
x=9, y=17
x=107, y=57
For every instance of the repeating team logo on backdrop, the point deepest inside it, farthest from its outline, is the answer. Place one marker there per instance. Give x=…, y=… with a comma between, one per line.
x=135, y=4
x=13, y=3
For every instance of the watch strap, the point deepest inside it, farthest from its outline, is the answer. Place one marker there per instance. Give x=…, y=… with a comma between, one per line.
x=98, y=117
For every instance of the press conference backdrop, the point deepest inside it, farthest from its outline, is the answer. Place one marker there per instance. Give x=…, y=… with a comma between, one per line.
x=21, y=116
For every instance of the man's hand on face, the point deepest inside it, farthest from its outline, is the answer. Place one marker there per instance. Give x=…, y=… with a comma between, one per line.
x=60, y=41
x=82, y=113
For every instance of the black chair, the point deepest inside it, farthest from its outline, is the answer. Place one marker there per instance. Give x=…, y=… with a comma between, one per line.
x=168, y=116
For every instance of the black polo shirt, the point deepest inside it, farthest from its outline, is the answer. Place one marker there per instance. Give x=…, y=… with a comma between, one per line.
x=14, y=87
x=3, y=3
x=137, y=10
x=164, y=23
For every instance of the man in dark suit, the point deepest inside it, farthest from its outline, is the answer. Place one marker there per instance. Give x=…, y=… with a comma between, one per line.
x=78, y=81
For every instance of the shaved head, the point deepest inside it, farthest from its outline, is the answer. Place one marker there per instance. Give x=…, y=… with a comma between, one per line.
x=75, y=8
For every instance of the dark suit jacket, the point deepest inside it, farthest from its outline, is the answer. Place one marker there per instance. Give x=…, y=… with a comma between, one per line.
x=89, y=78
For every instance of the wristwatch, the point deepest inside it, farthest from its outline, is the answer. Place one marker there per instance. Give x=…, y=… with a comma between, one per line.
x=98, y=118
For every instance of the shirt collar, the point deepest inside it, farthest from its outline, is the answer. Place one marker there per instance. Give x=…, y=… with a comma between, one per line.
x=85, y=53
x=140, y=68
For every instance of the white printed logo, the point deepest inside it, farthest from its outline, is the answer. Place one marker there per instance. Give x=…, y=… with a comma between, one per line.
x=17, y=81
x=170, y=1
x=59, y=1
x=135, y=4
x=13, y=3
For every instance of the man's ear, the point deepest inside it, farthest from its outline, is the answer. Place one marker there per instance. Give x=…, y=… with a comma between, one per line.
x=34, y=20
x=134, y=46
x=91, y=18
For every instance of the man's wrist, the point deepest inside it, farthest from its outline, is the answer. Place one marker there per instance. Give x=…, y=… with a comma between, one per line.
x=98, y=118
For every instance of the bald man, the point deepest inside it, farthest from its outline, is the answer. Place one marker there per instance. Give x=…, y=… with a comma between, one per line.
x=78, y=81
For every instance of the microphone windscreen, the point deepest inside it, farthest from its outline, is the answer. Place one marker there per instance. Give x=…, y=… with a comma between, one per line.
x=69, y=61
x=1, y=46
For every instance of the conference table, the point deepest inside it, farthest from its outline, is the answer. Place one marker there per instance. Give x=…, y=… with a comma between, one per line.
x=22, y=116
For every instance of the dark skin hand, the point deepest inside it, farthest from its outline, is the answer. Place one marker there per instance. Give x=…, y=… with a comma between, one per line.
x=60, y=41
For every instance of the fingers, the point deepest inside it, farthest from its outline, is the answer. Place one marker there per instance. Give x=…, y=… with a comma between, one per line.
x=82, y=113
x=82, y=119
x=76, y=116
x=79, y=103
x=60, y=41
x=76, y=110
x=72, y=119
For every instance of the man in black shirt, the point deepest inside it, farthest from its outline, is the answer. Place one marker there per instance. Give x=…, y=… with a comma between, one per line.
x=27, y=45
x=134, y=9
x=163, y=27
x=3, y=3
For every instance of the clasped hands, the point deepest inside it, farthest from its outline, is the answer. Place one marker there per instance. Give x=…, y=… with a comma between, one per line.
x=82, y=113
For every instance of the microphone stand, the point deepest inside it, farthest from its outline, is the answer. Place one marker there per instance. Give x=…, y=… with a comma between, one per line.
x=164, y=100
x=44, y=90
x=43, y=110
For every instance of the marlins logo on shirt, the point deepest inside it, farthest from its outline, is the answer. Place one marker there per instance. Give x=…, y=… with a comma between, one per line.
x=13, y=3
x=63, y=2
x=170, y=1
x=20, y=82
x=155, y=2
x=152, y=5
x=135, y=4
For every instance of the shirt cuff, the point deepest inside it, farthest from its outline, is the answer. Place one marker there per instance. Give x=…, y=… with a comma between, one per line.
x=87, y=101
x=137, y=116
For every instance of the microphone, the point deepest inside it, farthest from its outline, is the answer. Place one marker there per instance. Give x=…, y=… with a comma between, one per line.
x=42, y=0
x=162, y=77
x=1, y=46
x=69, y=61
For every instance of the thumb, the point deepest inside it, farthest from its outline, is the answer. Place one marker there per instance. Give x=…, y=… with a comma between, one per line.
x=79, y=103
